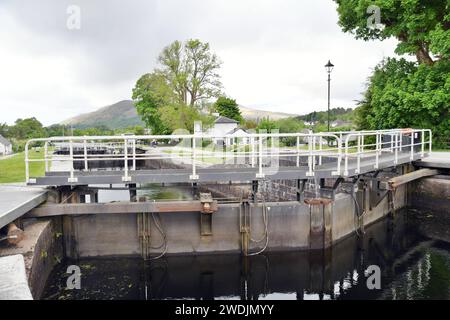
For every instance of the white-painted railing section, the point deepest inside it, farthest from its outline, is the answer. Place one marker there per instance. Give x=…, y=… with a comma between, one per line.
x=340, y=147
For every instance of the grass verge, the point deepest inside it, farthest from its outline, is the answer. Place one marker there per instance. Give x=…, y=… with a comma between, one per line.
x=13, y=169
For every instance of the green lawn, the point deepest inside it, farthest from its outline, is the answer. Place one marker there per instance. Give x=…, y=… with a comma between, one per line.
x=13, y=169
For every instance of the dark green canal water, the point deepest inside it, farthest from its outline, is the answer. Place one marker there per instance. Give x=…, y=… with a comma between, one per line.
x=412, y=251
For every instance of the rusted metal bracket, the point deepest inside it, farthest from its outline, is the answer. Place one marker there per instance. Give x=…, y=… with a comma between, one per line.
x=206, y=214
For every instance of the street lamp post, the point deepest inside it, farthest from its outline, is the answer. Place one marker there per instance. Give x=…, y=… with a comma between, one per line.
x=329, y=67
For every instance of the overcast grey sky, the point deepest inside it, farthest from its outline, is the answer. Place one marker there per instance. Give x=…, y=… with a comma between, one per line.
x=273, y=52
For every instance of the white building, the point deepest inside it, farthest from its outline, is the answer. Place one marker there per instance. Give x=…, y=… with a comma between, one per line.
x=224, y=126
x=5, y=146
x=340, y=123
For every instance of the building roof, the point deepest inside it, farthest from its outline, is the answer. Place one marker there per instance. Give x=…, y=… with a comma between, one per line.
x=223, y=119
x=4, y=141
x=236, y=130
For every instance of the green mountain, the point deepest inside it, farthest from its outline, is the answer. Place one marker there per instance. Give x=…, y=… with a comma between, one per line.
x=116, y=116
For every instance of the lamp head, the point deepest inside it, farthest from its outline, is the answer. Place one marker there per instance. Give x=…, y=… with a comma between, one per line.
x=329, y=66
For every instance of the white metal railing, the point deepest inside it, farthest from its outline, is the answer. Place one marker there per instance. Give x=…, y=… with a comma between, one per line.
x=371, y=144
x=261, y=151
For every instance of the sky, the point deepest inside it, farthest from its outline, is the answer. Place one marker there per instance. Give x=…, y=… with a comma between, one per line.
x=273, y=52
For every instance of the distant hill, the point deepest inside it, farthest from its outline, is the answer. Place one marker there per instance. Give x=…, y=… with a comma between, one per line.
x=123, y=114
x=119, y=115
x=253, y=114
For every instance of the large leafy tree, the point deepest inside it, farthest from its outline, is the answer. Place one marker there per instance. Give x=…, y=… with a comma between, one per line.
x=191, y=69
x=402, y=93
x=421, y=26
x=228, y=107
x=27, y=129
x=170, y=97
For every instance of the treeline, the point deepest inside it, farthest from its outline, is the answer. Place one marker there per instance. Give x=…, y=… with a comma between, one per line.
x=344, y=114
x=31, y=128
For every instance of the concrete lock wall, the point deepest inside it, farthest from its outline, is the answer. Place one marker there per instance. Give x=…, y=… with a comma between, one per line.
x=431, y=193
x=41, y=249
x=291, y=225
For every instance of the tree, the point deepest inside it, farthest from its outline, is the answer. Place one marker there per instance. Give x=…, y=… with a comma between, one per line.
x=4, y=129
x=27, y=129
x=166, y=98
x=150, y=94
x=402, y=94
x=181, y=116
x=421, y=26
x=267, y=125
x=190, y=70
x=228, y=108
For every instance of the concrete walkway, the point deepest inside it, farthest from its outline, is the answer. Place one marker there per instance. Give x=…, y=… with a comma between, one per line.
x=439, y=160
x=16, y=200
x=13, y=279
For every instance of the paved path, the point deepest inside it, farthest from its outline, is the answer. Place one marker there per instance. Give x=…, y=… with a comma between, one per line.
x=13, y=279
x=16, y=200
x=439, y=160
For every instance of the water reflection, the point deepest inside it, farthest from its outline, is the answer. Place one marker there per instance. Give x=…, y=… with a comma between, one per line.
x=151, y=191
x=413, y=267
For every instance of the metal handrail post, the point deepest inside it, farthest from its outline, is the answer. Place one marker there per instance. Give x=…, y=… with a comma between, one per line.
x=27, y=164
x=431, y=141
x=72, y=178
x=358, y=155
x=392, y=142
x=314, y=153
x=346, y=156
x=377, y=150
x=252, y=143
x=46, y=155
x=396, y=149
x=362, y=143
x=126, y=178
x=320, y=150
x=338, y=169
x=298, y=151
x=85, y=155
x=260, y=173
x=134, y=154
x=194, y=175
x=423, y=143
x=401, y=141
x=310, y=172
